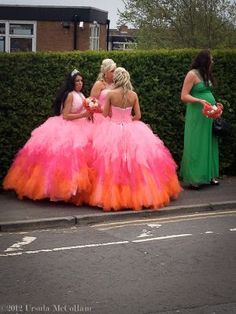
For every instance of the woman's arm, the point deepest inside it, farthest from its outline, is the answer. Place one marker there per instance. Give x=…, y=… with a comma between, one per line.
x=189, y=81
x=66, y=112
x=107, y=105
x=96, y=89
x=136, y=107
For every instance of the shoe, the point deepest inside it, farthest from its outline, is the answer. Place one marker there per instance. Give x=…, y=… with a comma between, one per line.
x=194, y=186
x=214, y=182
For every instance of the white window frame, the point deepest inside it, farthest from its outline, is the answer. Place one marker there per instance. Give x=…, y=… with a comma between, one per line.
x=94, y=36
x=8, y=36
x=125, y=45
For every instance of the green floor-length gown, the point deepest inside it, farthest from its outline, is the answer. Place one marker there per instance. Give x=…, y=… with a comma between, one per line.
x=200, y=161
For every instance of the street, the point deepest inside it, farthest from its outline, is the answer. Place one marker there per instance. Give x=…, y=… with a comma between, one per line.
x=173, y=264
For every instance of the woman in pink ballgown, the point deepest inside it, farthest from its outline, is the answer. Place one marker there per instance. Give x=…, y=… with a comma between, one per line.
x=53, y=162
x=133, y=168
x=103, y=84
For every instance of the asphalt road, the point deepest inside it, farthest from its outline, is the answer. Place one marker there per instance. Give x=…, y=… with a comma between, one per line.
x=175, y=264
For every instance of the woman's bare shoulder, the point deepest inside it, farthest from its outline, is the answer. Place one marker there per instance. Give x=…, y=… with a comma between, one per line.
x=132, y=93
x=191, y=73
x=191, y=76
x=70, y=94
x=100, y=83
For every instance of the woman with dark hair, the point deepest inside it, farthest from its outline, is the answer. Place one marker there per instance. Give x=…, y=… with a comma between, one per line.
x=67, y=86
x=53, y=162
x=200, y=160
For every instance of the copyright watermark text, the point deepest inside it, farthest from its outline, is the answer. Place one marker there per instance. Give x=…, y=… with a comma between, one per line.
x=43, y=308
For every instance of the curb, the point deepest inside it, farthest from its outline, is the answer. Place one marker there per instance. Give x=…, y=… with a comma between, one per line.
x=83, y=220
x=34, y=224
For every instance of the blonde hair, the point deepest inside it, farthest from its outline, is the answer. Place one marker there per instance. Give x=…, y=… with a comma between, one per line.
x=107, y=65
x=121, y=78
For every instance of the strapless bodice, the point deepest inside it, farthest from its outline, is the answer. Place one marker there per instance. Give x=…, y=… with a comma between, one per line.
x=121, y=114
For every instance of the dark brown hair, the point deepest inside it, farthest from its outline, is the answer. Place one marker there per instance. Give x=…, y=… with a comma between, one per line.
x=67, y=87
x=203, y=62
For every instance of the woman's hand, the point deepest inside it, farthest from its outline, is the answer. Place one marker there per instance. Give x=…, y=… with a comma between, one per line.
x=219, y=104
x=86, y=114
x=204, y=103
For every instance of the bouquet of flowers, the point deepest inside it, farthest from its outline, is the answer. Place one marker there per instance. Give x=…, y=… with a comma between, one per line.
x=213, y=112
x=91, y=105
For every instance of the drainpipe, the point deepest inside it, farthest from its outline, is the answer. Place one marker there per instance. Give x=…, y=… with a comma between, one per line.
x=75, y=31
x=108, y=31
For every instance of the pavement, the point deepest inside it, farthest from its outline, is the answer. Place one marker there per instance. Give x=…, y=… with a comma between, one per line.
x=19, y=215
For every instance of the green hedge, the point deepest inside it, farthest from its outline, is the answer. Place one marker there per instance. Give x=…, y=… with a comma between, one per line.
x=28, y=83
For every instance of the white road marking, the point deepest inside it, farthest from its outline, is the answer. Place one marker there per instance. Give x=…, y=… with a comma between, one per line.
x=154, y=225
x=163, y=237
x=18, y=246
x=209, y=232
x=148, y=233
x=234, y=229
x=145, y=233
x=92, y=245
x=65, y=248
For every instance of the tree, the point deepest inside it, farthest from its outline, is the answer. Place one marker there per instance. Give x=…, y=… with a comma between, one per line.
x=182, y=23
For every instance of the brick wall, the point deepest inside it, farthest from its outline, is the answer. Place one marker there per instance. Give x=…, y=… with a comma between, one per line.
x=52, y=36
x=83, y=37
x=103, y=37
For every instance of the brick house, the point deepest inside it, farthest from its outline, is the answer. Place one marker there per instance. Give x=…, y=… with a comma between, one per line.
x=52, y=28
x=122, y=38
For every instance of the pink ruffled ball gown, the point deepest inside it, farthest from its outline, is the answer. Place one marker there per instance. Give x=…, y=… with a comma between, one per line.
x=133, y=169
x=53, y=162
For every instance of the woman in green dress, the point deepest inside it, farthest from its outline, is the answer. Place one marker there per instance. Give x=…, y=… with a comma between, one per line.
x=200, y=160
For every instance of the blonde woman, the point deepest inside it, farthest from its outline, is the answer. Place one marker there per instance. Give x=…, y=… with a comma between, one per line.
x=133, y=168
x=103, y=84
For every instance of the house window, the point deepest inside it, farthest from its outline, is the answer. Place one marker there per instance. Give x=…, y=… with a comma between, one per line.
x=94, y=36
x=17, y=36
x=21, y=29
x=124, y=45
x=20, y=44
x=2, y=36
